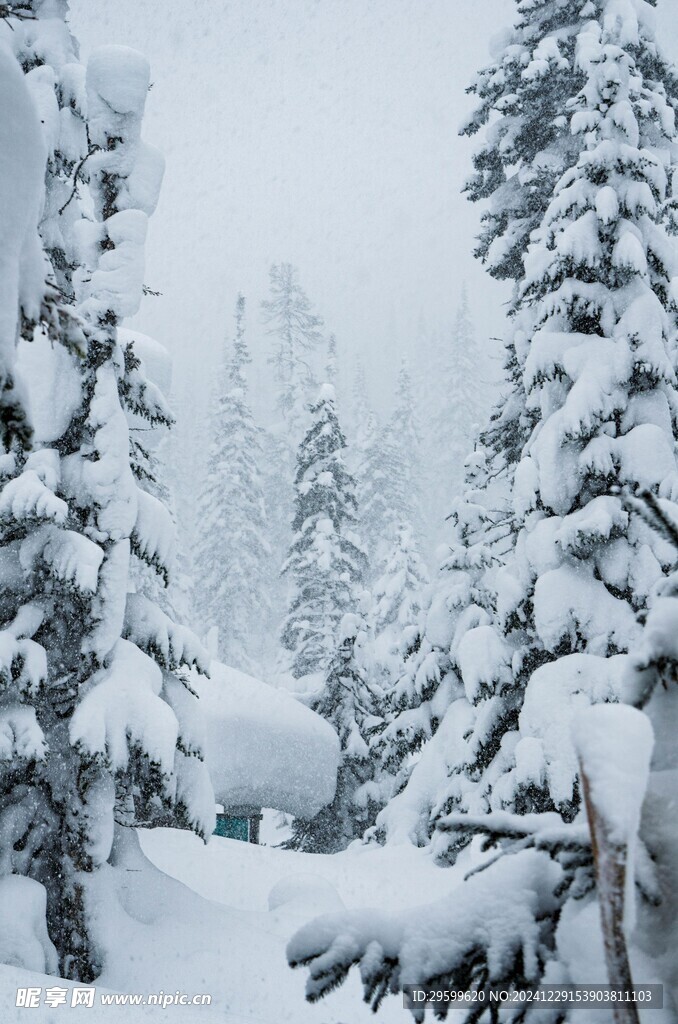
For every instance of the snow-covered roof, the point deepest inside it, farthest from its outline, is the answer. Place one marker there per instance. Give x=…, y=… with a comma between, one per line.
x=263, y=748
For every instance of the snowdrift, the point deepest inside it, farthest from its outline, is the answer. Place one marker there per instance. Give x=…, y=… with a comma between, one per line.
x=263, y=748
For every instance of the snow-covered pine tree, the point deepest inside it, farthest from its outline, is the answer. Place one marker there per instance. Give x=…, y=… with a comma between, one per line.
x=232, y=551
x=599, y=388
x=398, y=598
x=296, y=330
x=331, y=368
x=349, y=702
x=428, y=693
x=404, y=430
x=326, y=562
x=488, y=527
x=524, y=94
x=384, y=497
x=360, y=408
x=99, y=731
x=598, y=378
x=462, y=381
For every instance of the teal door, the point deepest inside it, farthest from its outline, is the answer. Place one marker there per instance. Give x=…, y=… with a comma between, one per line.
x=232, y=828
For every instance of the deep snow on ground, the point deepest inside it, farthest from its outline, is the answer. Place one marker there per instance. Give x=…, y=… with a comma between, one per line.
x=176, y=914
x=252, y=976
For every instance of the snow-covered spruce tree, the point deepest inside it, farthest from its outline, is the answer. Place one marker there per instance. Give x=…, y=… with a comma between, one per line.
x=523, y=97
x=296, y=331
x=326, y=562
x=98, y=731
x=429, y=693
x=495, y=617
x=523, y=111
x=398, y=598
x=404, y=430
x=460, y=410
x=360, y=410
x=600, y=391
x=384, y=497
x=349, y=702
x=598, y=375
x=232, y=551
x=331, y=368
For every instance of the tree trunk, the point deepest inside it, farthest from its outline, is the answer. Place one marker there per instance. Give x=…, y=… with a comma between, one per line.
x=610, y=860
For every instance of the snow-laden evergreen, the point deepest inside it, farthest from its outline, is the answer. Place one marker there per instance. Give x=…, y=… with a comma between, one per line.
x=399, y=599
x=523, y=112
x=232, y=555
x=387, y=495
x=576, y=569
x=457, y=395
x=404, y=436
x=99, y=731
x=428, y=691
x=296, y=332
x=599, y=382
x=349, y=701
x=326, y=563
x=541, y=606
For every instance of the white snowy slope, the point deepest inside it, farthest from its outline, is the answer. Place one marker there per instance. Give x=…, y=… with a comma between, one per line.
x=220, y=926
x=263, y=748
x=265, y=894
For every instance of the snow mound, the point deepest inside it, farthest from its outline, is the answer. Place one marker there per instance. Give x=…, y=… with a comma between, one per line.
x=263, y=748
x=307, y=891
x=24, y=941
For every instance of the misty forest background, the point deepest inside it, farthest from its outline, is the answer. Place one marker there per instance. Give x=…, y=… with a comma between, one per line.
x=340, y=496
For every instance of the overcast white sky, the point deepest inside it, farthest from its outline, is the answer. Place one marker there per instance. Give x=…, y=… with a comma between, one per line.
x=323, y=132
